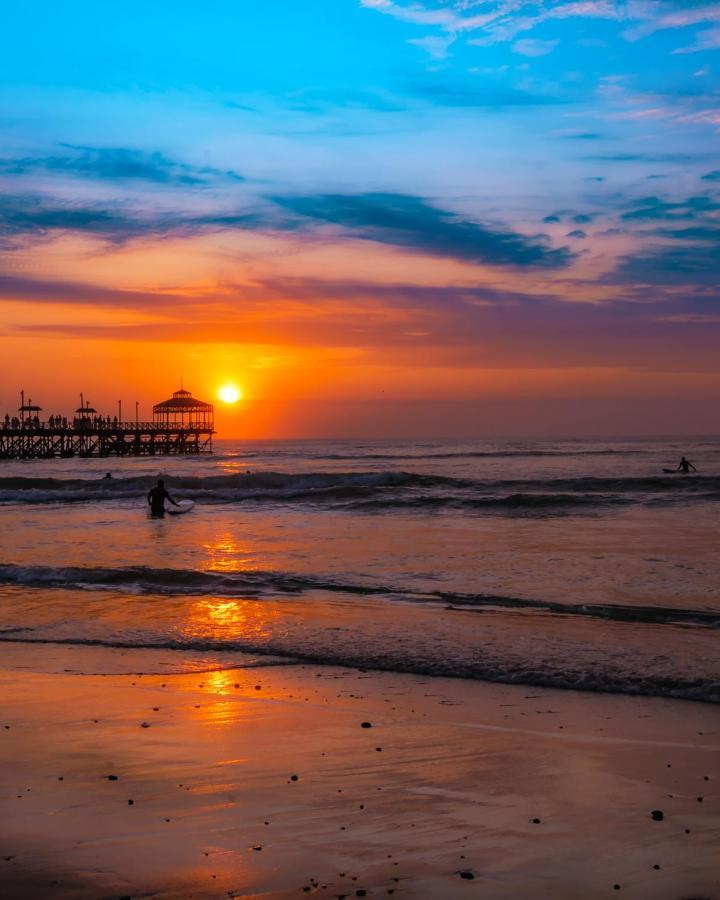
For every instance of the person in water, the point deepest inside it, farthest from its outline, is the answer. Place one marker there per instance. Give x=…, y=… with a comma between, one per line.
x=685, y=465
x=156, y=499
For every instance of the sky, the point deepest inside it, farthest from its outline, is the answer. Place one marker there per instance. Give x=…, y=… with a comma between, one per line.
x=469, y=218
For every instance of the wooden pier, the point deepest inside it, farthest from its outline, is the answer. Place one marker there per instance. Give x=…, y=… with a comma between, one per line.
x=180, y=426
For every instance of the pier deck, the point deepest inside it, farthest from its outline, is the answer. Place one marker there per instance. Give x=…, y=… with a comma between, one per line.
x=40, y=440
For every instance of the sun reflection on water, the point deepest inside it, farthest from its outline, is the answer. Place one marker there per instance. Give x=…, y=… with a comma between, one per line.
x=225, y=554
x=220, y=618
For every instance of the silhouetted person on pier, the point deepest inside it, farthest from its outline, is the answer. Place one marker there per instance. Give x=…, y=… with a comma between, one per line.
x=156, y=498
x=685, y=465
x=109, y=475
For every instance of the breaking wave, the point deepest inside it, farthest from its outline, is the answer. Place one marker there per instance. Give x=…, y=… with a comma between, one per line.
x=377, y=491
x=257, y=583
x=563, y=674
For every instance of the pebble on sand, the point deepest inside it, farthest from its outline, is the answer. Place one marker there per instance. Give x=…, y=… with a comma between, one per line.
x=366, y=724
x=467, y=874
x=657, y=815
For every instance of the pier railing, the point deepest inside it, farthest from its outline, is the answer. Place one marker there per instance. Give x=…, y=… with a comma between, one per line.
x=35, y=439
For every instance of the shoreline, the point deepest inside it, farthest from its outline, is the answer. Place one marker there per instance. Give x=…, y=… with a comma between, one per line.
x=627, y=683
x=462, y=771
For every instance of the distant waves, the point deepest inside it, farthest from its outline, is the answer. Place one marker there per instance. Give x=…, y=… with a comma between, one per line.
x=368, y=492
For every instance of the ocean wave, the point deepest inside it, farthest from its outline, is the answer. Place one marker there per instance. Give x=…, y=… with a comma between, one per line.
x=258, y=583
x=468, y=454
x=562, y=674
x=366, y=491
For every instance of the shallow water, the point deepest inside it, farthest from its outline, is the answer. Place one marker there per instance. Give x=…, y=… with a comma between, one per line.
x=579, y=564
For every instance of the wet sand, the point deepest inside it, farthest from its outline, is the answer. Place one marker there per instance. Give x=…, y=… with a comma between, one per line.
x=263, y=782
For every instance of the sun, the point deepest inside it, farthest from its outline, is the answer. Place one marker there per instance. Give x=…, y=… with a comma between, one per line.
x=229, y=393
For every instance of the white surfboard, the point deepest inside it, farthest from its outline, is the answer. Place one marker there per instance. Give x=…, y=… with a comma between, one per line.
x=184, y=506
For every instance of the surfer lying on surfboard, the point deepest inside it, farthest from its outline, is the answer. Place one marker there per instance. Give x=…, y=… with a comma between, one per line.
x=156, y=499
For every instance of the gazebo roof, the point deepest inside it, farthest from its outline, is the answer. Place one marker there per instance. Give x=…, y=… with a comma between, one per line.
x=182, y=401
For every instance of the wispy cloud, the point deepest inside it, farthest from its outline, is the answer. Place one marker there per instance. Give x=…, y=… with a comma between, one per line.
x=534, y=47
x=485, y=96
x=414, y=224
x=709, y=39
x=118, y=164
x=35, y=216
x=503, y=20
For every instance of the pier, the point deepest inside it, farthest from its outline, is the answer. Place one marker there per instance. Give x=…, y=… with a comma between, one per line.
x=180, y=426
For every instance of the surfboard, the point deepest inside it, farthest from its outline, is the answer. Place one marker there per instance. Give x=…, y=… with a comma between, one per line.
x=184, y=507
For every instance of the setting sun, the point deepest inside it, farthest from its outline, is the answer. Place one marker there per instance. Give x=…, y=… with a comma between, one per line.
x=228, y=393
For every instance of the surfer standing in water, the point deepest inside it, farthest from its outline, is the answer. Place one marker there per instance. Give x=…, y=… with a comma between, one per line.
x=156, y=499
x=685, y=465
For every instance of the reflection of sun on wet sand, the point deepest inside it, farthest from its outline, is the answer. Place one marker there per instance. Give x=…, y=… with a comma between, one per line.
x=263, y=782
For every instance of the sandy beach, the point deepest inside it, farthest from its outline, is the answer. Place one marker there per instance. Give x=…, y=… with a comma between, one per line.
x=266, y=782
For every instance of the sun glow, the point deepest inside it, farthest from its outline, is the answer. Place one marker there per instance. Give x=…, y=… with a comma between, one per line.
x=229, y=393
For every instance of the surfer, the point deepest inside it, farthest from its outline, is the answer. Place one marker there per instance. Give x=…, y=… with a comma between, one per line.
x=156, y=499
x=685, y=465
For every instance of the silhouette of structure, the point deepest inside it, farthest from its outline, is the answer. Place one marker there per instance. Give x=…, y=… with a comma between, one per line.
x=181, y=425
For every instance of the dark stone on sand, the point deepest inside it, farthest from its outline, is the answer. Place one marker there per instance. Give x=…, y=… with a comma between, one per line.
x=656, y=866
x=366, y=724
x=144, y=724
x=112, y=778
x=361, y=892
x=616, y=887
x=699, y=799
x=467, y=874
x=131, y=802
x=706, y=778
x=61, y=778
x=378, y=749
x=687, y=831
x=294, y=777
x=259, y=847
x=536, y=821
x=657, y=815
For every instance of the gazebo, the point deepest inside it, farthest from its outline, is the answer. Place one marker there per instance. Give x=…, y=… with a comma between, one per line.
x=29, y=407
x=184, y=410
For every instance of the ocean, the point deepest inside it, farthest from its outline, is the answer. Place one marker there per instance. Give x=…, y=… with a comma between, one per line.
x=573, y=564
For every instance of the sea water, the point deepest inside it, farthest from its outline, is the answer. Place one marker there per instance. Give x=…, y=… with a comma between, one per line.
x=577, y=564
